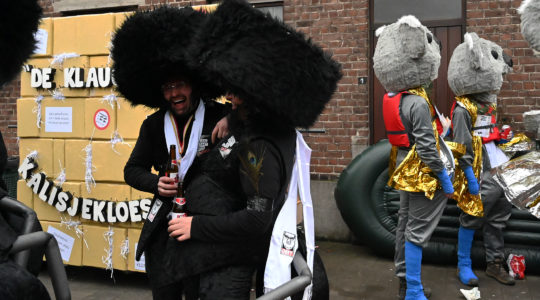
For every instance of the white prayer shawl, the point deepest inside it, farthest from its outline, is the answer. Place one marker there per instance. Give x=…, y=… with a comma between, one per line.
x=196, y=131
x=281, y=252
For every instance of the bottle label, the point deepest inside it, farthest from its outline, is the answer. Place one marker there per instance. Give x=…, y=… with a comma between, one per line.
x=173, y=215
x=174, y=176
x=180, y=200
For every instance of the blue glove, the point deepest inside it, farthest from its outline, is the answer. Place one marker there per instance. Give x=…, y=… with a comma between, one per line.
x=445, y=182
x=474, y=188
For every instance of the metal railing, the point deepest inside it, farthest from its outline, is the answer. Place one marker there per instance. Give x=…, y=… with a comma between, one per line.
x=39, y=239
x=295, y=285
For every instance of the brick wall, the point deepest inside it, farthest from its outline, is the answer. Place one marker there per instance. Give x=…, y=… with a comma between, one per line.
x=499, y=22
x=341, y=27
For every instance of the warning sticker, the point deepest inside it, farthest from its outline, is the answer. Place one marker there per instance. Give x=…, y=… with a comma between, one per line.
x=102, y=119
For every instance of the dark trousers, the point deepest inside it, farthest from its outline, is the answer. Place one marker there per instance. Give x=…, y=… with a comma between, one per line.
x=227, y=283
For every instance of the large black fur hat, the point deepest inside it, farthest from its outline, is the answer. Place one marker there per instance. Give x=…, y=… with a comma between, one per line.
x=149, y=48
x=19, y=21
x=273, y=68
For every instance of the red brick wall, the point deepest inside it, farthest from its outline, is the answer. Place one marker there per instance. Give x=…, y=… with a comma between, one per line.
x=498, y=21
x=341, y=27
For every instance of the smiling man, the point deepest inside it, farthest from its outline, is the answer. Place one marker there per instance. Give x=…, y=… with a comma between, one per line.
x=150, y=70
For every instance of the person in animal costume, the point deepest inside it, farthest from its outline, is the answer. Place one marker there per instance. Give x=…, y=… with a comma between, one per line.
x=407, y=58
x=475, y=75
x=277, y=80
x=150, y=69
x=530, y=23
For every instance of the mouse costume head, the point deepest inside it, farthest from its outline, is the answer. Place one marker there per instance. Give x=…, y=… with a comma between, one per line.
x=530, y=23
x=407, y=55
x=477, y=66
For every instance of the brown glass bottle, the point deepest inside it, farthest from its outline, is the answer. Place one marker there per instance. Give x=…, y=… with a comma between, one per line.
x=179, y=203
x=171, y=170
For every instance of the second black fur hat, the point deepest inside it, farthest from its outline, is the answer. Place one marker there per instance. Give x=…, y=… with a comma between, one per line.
x=265, y=62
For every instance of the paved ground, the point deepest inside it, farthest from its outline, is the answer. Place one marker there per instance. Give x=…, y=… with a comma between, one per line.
x=354, y=272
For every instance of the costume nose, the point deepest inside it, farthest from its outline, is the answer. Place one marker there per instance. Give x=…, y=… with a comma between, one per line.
x=508, y=60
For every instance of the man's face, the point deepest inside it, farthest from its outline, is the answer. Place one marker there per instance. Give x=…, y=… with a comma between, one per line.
x=178, y=92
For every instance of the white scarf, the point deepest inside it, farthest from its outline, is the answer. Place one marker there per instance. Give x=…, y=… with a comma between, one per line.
x=172, y=138
x=281, y=252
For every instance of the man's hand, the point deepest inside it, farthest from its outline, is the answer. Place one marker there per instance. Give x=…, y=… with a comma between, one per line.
x=167, y=186
x=221, y=129
x=180, y=229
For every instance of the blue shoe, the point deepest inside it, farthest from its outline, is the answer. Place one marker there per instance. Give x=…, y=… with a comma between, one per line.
x=464, y=270
x=413, y=266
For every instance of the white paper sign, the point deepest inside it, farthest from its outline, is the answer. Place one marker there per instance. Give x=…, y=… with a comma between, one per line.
x=58, y=119
x=41, y=37
x=139, y=265
x=65, y=242
x=482, y=120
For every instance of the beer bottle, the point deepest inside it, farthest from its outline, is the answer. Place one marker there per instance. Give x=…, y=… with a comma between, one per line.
x=179, y=203
x=171, y=170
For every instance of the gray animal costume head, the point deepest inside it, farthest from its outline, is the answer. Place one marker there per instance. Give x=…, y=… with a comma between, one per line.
x=407, y=55
x=530, y=23
x=19, y=21
x=477, y=66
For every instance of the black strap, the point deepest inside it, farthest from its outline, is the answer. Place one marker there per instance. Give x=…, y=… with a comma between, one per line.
x=484, y=127
x=396, y=132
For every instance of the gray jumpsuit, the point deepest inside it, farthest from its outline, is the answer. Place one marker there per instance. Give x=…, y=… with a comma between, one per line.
x=417, y=216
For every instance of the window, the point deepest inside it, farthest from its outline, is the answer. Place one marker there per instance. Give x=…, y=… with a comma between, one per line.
x=388, y=11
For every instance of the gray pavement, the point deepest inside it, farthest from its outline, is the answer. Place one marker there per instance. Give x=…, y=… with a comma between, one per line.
x=354, y=272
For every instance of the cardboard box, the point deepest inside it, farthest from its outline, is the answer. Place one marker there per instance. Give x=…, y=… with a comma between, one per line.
x=110, y=164
x=86, y=34
x=45, y=157
x=82, y=62
x=130, y=119
x=24, y=194
x=133, y=265
x=63, y=119
x=45, y=37
x=59, y=162
x=100, y=119
x=26, y=89
x=102, y=62
x=75, y=156
x=71, y=245
x=108, y=192
x=119, y=18
x=27, y=118
x=98, y=247
x=46, y=212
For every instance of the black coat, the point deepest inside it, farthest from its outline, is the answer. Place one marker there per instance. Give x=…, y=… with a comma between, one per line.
x=151, y=151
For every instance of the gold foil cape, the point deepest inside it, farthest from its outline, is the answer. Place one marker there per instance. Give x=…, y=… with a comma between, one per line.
x=520, y=180
x=520, y=142
x=470, y=204
x=412, y=175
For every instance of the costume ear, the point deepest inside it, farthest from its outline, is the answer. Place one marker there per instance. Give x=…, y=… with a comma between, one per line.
x=413, y=37
x=380, y=30
x=475, y=50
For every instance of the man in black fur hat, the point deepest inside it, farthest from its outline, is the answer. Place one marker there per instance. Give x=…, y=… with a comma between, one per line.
x=150, y=69
x=277, y=81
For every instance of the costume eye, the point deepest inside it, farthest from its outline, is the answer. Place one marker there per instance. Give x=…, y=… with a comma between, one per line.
x=429, y=37
x=494, y=54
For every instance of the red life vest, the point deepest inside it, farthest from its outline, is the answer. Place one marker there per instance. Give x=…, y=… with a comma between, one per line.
x=395, y=130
